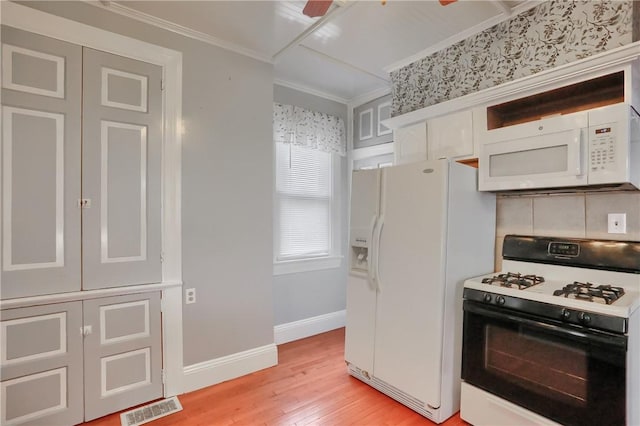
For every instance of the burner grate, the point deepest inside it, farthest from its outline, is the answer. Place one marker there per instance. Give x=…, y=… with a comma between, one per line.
x=587, y=291
x=513, y=279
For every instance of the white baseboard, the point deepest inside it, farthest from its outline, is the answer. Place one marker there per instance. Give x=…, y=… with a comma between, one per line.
x=208, y=373
x=308, y=327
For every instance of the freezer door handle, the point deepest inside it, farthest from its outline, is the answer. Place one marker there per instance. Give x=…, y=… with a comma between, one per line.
x=376, y=242
x=370, y=269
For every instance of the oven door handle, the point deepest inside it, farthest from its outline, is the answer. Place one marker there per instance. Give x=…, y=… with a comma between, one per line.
x=599, y=338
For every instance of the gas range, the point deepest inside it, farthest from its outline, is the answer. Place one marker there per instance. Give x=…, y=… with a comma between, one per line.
x=555, y=335
x=551, y=282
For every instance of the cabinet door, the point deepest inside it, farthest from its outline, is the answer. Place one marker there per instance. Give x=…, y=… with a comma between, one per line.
x=122, y=141
x=40, y=165
x=122, y=354
x=41, y=365
x=450, y=136
x=410, y=143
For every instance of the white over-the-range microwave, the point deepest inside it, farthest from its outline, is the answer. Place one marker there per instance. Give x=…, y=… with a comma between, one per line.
x=598, y=147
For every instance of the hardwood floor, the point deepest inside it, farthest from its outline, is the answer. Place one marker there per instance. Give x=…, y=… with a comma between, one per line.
x=309, y=386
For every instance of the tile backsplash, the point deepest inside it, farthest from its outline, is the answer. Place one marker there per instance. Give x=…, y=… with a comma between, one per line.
x=579, y=215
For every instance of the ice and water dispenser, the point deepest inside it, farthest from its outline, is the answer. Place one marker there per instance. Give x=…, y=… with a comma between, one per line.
x=359, y=249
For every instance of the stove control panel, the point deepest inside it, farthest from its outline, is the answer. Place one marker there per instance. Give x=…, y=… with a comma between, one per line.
x=564, y=249
x=559, y=313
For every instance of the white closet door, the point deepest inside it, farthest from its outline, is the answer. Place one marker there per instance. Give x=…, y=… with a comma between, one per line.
x=122, y=353
x=41, y=358
x=122, y=140
x=41, y=85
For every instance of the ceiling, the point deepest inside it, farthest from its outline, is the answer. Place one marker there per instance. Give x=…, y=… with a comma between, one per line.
x=345, y=55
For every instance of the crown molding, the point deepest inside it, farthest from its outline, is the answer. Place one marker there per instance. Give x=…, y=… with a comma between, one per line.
x=368, y=97
x=179, y=29
x=310, y=91
x=530, y=4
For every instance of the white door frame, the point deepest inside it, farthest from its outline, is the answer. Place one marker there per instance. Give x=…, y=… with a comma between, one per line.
x=28, y=19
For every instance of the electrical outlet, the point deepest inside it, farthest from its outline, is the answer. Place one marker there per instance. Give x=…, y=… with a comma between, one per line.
x=617, y=223
x=189, y=296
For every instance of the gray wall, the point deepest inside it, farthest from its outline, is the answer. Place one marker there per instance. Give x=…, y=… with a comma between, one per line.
x=375, y=139
x=227, y=172
x=308, y=294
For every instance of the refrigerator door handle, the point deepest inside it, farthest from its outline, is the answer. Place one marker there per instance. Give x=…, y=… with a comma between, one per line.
x=371, y=256
x=376, y=242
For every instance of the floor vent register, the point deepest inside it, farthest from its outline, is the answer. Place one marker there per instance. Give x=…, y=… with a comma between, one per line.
x=150, y=412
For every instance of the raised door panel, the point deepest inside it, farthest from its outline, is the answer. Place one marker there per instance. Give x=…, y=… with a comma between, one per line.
x=122, y=354
x=41, y=359
x=408, y=341
x=40, y=165
x=450, y=136
x=410, y=143
x=122, y=140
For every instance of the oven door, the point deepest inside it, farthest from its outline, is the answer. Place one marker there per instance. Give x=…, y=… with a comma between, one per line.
x=565, y=373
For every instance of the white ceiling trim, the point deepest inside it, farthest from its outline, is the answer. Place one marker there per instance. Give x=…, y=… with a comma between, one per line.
x=338, y=10
x=463, y=35
x=368, y=97
x=179, y=29
x=386, y=79
x=310, y=91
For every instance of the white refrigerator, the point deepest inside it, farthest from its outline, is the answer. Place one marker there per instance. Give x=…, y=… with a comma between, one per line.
x=417, y=232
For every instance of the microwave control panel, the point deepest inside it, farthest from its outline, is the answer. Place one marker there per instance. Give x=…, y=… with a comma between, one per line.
x=602, y=147
x=611, y=152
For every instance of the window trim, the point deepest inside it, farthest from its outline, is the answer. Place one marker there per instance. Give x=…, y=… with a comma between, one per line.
x=284, y=267
x=313, y=263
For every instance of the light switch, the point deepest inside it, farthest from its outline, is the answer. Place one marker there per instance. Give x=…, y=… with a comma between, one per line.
x=617, y=223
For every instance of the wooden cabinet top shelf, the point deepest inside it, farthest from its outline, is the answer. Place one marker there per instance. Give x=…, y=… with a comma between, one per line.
x=601, y=91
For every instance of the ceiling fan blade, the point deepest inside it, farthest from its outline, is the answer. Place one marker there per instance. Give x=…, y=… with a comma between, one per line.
x=446, y=2
x=315, y=8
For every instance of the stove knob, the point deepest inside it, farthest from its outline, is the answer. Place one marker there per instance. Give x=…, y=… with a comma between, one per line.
x=487, y=297
x=584, y=318
x=566, y=314
x=500, y=300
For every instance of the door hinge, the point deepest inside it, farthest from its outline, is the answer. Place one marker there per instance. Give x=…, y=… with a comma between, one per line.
x=162, y=84
x=162, y=257
x=163, y=375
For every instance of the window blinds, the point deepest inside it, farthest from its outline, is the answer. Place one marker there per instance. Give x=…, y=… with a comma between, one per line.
x=304, y=190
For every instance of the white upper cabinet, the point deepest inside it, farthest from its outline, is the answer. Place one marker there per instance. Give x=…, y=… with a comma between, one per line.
x=410, y=143
x=450, y=136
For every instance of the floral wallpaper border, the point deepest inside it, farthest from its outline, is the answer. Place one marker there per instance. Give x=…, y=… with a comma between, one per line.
x=554, y=33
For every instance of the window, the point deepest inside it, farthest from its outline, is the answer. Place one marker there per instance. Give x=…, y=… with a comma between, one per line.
x=309, y=146
x=307, y=211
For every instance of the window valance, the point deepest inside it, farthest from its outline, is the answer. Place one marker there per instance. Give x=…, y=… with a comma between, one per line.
x=311, y=129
